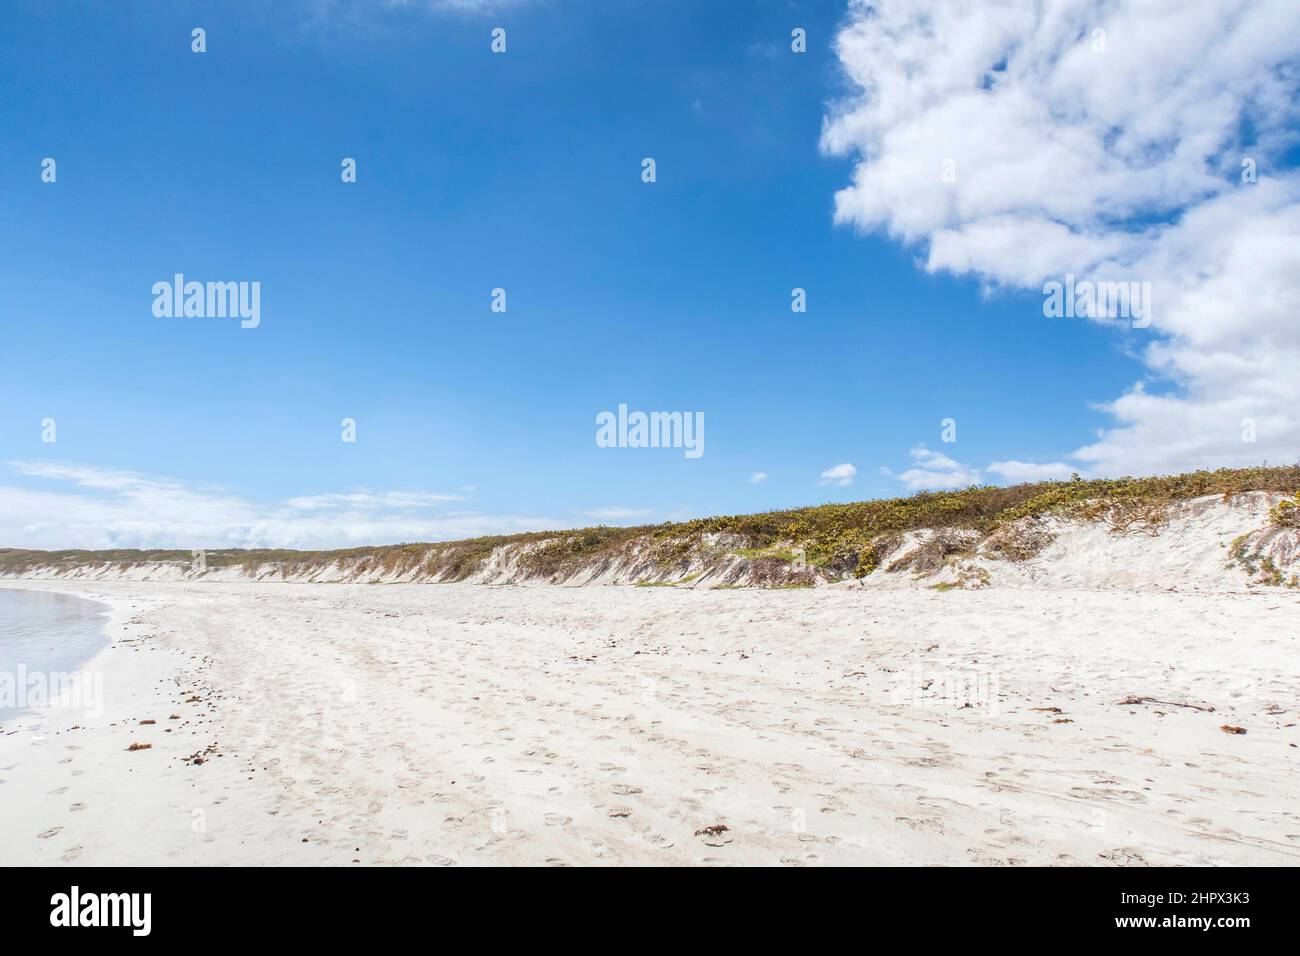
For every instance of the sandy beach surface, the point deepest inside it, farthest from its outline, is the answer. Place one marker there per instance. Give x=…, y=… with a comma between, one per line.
x=349, y=724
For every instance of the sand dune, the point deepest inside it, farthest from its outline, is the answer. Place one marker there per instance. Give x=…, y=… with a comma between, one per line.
x=1214, y=542
x=465, y=724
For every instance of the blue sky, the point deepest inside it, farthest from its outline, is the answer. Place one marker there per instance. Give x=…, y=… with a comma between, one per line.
x=475, y=171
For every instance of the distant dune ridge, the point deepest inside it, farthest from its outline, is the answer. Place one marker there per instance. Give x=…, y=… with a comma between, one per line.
x=1222, y=530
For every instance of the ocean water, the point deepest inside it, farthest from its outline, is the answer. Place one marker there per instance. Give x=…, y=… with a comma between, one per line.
x=46, y=640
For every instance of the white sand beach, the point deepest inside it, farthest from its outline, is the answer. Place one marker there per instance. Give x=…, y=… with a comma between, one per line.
x=353, y=724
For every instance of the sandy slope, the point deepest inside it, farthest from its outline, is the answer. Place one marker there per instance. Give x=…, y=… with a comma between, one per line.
x=470, y=724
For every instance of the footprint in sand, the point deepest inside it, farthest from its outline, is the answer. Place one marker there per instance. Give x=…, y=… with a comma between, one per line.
x=657, y=840
x=52, y=831
x=620, y=811
x=558, y=820
x=1124, y=856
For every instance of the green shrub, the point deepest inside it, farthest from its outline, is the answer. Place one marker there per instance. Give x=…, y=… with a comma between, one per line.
x=1286, y=513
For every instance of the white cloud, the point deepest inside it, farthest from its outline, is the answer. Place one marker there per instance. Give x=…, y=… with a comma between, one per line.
x=382, y=18
x=758, y=477
x=72, y=506
x=1120, y=164
x=934, y=470
x=1016, y=472
x=367, y=500
x=841, y=475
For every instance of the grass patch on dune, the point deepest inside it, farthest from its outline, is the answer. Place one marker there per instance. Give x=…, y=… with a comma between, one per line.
x=755, y=554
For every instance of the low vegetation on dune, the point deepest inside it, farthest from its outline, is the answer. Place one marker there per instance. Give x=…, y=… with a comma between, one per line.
x=1286, y=513
x=839, y=540
x=854, y=538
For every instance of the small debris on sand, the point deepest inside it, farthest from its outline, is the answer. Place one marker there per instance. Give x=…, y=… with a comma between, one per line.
x=150, y=746
x=1229, y=729
x=715, y=835
x=1131, y=699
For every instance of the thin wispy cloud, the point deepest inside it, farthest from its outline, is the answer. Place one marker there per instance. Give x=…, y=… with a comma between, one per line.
x=322, y=11
x=619, y=514
x=364, y=500
x=1014, y=472
x=77, y=506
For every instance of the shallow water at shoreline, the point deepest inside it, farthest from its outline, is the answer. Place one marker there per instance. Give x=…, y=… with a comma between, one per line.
x=46, y=638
